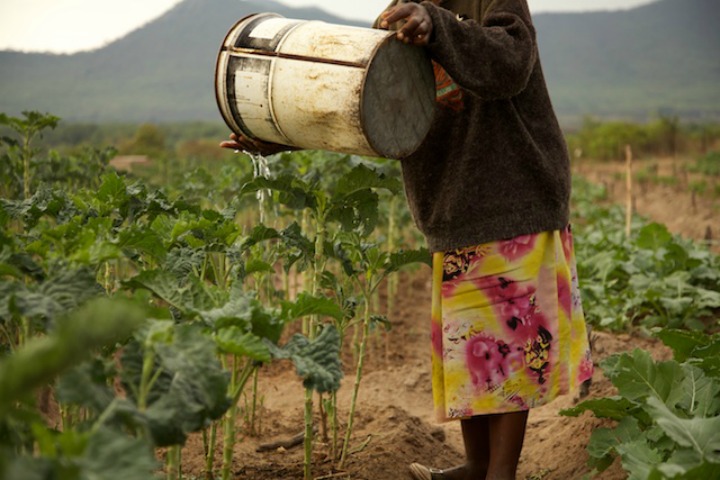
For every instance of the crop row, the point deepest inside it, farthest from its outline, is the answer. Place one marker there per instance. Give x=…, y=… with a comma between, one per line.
x=134, y=316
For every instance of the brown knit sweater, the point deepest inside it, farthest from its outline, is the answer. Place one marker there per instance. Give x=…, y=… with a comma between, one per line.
x=494, y=164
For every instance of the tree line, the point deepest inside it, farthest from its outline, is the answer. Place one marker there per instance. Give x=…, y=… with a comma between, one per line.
x=666, y=136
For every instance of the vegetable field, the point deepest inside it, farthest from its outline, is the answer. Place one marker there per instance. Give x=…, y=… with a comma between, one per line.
x=268, y=318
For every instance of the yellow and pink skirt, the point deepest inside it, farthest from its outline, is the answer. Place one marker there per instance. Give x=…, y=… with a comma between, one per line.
x=508, y=331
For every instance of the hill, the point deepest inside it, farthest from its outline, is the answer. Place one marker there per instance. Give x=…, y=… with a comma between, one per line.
x=162, y=71
x=660, y=57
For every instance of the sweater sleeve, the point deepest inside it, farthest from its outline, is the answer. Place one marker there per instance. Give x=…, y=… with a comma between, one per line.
x=492, y=58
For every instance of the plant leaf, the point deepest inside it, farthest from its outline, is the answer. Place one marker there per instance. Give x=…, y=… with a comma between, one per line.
x=234, y=341
x=683, y=342
x=306, y=304
x=293, y=193
x=112, y=191
x=144, y=241
x=407, y=257
x=356, y=211
x=603, y=441
x=699, y=434
x=362, y=177
x=111, y=455
x=259, y=233
x=701, y=394
x=187, y=296
x=191, y=386
x=615, y=408
x=100, y=322
x=639, y=459
x=637, y=376
x=86, y=385
x=318, y=361
x=57, y=295
x=653, y=236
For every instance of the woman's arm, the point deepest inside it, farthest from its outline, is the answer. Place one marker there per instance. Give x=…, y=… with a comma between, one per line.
x=492, y=58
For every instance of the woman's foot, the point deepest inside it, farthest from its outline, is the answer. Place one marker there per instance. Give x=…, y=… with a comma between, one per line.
x=421, y=472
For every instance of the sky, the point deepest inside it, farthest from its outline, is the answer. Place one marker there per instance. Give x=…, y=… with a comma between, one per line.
x=68, y=26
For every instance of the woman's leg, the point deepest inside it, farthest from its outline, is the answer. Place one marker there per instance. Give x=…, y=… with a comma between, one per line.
x=476, y=436
x=492, y=447
x=507, y=432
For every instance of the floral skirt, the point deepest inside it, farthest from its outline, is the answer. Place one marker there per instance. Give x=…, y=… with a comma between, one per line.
x=508, y=331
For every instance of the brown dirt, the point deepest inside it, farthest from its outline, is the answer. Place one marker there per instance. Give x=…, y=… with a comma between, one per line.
x=394, y=424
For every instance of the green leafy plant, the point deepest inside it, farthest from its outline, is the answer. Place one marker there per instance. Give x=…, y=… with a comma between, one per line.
x=367, y=266
x=667, y=413
x=652, y=279
x=99, y=449
x=22, y=150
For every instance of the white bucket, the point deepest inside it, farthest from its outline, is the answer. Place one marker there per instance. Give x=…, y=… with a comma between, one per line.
x=316, y=85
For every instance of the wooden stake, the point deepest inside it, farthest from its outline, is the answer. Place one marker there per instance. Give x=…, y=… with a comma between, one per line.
x=708, y=236
x=629, y=189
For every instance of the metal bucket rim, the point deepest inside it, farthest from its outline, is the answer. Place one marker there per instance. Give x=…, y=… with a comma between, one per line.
x=363, y=123
x=218, y=101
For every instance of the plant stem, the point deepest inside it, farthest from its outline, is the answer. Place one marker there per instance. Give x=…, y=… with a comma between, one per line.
x=237, y=383
x=145, y=378
x=307, y=470
x=204, y=266
x=253, y=410
x=9, y=338
x=26, y=167
x=304, y=225
x=24, y=333
x=168, y=464
x=286, y=285
x=173, y=470
x=217, y=262
x=206, y=447
x=229, y=430
x=65, y=420
x=118, y=274
x=323, y=418
x=310, y=329
x=179, y=462
x=334, y=425
x=210, y=455
x=107, y=276
x=358, y=377
x=392, y=226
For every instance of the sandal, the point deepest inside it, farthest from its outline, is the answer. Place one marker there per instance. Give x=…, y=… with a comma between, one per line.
x=421, y=472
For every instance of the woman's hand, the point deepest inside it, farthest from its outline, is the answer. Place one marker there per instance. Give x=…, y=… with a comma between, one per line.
x=250, y=145
x=418, y=23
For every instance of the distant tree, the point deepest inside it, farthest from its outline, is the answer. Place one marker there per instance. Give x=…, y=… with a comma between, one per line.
x=606, y=141
x=148, y=140
x=704, y=138
x=201, y=149
x=664, y=134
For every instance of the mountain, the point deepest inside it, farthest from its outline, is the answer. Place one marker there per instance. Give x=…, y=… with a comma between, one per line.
x=658, y=58
x=163, y=71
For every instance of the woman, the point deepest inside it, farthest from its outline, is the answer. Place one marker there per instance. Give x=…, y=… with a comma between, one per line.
x=489, y=188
